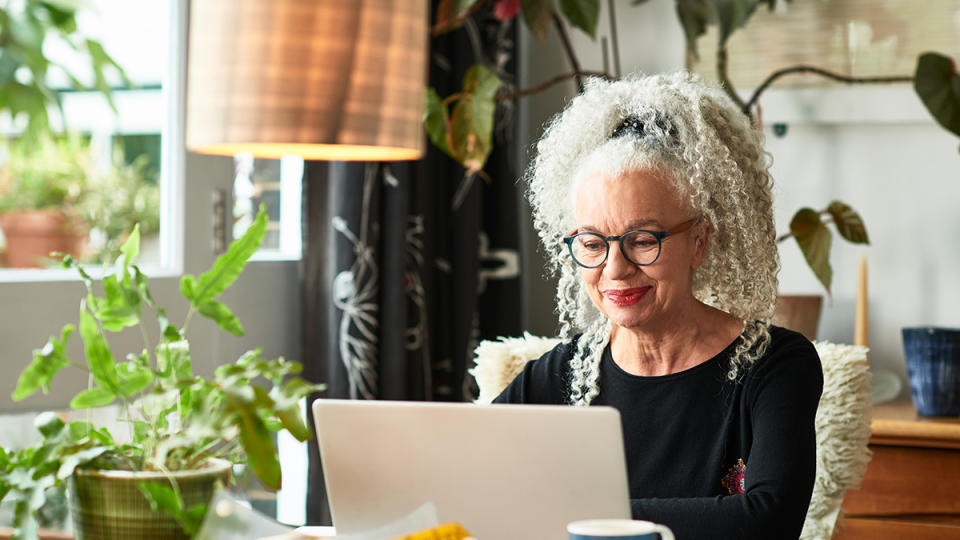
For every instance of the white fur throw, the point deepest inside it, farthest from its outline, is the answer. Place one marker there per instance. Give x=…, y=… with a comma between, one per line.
x=842, y=421
x=499, y=362
x=843, y=430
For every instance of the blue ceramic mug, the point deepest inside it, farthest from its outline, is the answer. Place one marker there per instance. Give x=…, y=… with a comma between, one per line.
x=933, y=367
x=617, y=529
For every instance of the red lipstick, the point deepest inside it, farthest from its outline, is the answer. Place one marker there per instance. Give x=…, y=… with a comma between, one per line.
x=625, y=297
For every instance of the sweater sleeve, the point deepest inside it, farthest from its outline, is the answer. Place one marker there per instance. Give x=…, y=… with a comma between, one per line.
x=781, y=398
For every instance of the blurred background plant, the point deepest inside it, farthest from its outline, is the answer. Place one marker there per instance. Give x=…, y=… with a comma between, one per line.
x=101, y=201
x=50, y=174
x=119, y=197
x=27, y=27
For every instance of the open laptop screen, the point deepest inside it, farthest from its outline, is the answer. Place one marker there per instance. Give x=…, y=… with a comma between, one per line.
x=501, y=471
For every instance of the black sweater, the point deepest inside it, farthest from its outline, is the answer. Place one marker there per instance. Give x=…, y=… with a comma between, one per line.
x=707, y=456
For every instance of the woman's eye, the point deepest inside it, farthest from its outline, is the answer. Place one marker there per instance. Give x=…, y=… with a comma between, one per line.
x=592, y=245
x=642, y=242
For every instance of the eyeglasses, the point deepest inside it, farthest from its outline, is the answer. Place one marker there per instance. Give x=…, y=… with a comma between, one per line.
x=640, y=247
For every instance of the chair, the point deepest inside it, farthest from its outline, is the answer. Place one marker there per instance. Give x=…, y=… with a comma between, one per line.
x=842, y=421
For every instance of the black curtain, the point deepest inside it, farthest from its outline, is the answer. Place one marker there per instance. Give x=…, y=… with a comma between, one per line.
x=408, y=265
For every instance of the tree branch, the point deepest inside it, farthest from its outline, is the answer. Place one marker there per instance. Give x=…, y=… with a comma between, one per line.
x=547, y=84
x=565, y=40
x=725, y=81
x=823, y=73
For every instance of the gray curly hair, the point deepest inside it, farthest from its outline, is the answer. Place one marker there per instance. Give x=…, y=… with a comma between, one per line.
x=716, y=160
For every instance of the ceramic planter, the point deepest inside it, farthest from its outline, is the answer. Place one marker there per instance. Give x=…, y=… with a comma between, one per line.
x=933, y=368
x=108, y=505
x=799, y=312
x=32, y=234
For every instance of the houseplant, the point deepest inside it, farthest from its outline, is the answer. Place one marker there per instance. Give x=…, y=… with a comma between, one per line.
x=27, y=29
x=120, y=196
x=462, y=124
x=178, y=422
x=42, y=190
x=53, y=194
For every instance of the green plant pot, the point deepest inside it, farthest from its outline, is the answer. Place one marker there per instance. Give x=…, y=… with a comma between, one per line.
x=108, y=505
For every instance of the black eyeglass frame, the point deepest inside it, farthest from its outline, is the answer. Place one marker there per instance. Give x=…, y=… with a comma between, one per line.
x=659, y=235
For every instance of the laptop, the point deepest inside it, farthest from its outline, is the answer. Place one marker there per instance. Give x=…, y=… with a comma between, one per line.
x=502, y=471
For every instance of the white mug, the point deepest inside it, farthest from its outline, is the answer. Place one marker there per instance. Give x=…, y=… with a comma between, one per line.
x=618, y=529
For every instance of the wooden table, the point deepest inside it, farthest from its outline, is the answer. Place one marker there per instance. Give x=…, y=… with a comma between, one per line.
x=912, y=485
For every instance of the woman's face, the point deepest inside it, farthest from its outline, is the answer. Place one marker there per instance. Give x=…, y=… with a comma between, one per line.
x=631, y=296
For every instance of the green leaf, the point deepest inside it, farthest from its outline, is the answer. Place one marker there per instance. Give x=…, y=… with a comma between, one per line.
x=162, y=497
x=937, y=83
x=229, y=265
x=193, y=518
x=188, y=287
x=133, y=379
x=435, y=121
x=727, y=15
x=293, y=421
x=224, y=318
x=814, y=240
x=732, y=15
x=448, y=12
x=26, y=521
x=48, y=424
x=45, y=365
x=257, y=442
x=472, y=118
x=583, y=14
x=99, y=357
x=174, y=359
x=849, y=223
x=100, y=60
x=72, y=461
x=537, y=14
x=92, y=397
x=141, y=429
x=80, y=430
x=120, y=306
x=131, y=248
x=694, y=16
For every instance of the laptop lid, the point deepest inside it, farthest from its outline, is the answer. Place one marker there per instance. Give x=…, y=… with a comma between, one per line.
x=501, y=471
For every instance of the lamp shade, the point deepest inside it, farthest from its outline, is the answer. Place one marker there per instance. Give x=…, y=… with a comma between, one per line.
x=324, y=79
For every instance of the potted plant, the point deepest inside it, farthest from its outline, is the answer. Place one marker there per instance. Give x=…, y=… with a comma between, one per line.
x=809, y=228
x=185, y=431
x=42, y=189
x=53, y=196
x=118, y=197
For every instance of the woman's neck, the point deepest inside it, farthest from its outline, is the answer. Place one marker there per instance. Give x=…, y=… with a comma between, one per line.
x=699, y=335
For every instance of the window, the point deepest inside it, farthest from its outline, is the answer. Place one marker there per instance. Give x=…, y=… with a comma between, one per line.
x=107, y=174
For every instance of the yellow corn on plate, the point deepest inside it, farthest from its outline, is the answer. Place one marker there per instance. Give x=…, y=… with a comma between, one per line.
x=446, y=531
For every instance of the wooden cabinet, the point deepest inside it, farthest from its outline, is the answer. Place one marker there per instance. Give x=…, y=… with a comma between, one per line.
x=912, y=485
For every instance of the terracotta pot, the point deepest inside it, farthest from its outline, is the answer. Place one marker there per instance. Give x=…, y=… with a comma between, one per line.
x=109, y=504
x=32, y=235
x=799, y=312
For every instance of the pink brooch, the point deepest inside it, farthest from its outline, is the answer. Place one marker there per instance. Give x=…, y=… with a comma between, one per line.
x=733, y=480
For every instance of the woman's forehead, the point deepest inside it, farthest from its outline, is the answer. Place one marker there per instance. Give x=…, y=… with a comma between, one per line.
x=633, y=199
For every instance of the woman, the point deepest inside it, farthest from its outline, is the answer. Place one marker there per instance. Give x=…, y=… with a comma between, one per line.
x=653, y=199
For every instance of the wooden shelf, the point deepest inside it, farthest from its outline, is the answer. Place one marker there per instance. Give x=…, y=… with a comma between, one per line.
x=912, y=485
x=898, y=424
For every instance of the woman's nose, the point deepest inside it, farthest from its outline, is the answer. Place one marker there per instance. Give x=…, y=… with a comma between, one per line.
x=617, y=266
